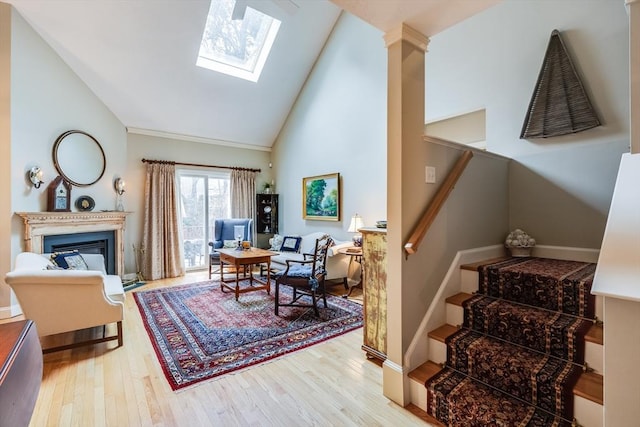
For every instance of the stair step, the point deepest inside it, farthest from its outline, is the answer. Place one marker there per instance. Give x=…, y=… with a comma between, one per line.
x=515, y=370
x=443, y=332
x=425, y=371
x=474, y=401
x=474, y=266
x=590, y=386
x=595, y=334
x=458, y=298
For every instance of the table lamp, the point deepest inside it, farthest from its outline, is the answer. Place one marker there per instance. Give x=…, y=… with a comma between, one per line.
x=356, y=223
x=238, y=232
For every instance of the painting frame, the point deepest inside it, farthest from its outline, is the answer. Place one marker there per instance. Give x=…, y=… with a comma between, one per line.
x=321, y=197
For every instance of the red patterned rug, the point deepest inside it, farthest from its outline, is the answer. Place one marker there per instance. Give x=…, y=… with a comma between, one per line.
x=520, y=349
x=200, y=332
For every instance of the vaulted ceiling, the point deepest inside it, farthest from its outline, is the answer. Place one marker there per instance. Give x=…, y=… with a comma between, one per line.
x=139, y=56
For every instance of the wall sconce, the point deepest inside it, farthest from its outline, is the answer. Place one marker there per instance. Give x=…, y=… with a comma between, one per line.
x=118, y=185
x=355, y=224
x=35, y=176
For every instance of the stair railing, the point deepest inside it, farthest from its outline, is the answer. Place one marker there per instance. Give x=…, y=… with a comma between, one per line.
x=430, y=214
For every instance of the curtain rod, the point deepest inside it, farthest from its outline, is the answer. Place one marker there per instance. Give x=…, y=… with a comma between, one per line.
x=169, y=162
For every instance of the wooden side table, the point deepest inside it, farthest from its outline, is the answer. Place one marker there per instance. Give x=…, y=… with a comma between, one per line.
x=354, y=272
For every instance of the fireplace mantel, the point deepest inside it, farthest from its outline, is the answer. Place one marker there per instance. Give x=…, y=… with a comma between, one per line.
x=40, y=224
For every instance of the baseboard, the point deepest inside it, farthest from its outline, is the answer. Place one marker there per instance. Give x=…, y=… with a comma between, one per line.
x=10, y=311
x=566, y=253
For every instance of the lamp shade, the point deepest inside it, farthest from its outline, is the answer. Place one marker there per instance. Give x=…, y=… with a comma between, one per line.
x=355, y=224
x=238, y=232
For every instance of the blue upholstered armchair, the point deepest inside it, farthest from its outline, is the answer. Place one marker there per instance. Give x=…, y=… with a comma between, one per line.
x=223, y=230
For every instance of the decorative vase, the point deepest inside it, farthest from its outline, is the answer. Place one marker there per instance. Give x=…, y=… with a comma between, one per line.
x=518, y=251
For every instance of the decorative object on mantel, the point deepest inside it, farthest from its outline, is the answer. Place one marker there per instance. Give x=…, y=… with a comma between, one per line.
x=35, y=176
x=354, y=226
x=59, y=195
x=118, y=186
x=559, y=104
x=381, y=224
x=79, y=158
x=85, y=204
x=519, y=243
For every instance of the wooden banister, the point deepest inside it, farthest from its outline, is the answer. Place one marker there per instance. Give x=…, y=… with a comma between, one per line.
x=411, y=247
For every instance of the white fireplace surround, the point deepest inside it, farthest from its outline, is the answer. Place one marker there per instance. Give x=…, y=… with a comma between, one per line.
x=37, y=225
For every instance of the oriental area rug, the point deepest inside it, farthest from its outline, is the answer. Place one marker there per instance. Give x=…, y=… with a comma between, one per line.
x=520, y=350
x=199, y=332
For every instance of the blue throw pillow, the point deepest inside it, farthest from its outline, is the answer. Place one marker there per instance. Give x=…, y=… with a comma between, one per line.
x=71, y=260
x=290, y=244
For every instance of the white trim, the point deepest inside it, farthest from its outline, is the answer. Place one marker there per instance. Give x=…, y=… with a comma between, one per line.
x=10, y=311
x=393, y=366
x=190, y=138
x=460, y=146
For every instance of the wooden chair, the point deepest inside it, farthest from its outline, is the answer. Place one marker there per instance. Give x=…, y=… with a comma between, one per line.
x=306, y=278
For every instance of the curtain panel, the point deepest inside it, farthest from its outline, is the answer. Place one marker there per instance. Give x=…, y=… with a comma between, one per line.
x=243, y=195
x=161, y=230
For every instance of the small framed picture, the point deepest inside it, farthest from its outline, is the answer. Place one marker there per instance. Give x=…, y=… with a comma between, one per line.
x=321, y=197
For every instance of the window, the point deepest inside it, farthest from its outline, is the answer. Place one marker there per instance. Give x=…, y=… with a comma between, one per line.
x=237, y=47
x=197, y=212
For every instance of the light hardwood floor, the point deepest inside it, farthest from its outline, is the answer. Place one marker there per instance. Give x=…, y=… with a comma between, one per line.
x=329, y=384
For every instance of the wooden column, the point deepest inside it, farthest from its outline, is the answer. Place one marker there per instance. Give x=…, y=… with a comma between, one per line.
x=405, y=167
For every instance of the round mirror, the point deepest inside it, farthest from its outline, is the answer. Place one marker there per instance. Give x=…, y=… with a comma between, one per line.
x=79, y=158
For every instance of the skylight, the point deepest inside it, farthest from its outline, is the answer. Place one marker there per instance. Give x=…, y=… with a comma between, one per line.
x=237, y=47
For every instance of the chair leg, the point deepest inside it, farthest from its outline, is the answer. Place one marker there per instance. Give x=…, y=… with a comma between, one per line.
x=315, y=303
x=120, y=334
x=277, y=296
x=323, y=289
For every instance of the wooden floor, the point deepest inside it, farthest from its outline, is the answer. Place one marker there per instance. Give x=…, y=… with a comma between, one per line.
x=329, y=384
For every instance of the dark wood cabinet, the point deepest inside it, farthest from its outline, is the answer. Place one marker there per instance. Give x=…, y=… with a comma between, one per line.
x=20, y=372
x=266, y=218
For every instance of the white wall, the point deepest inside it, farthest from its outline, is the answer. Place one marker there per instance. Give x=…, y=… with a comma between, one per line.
x=47, y=99
x=338, y=124
x=7, y=307
x=560, y=188
x=160, y=148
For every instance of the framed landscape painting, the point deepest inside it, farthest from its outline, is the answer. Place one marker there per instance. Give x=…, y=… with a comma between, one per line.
x=321, y=197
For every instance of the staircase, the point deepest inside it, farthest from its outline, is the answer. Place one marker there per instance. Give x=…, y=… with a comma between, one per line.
x=583, y=404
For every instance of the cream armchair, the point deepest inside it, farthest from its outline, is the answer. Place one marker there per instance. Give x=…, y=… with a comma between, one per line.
x=67, y=300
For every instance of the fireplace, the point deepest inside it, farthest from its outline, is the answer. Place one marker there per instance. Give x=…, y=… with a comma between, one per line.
x=100, y=242
x=40, y=226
